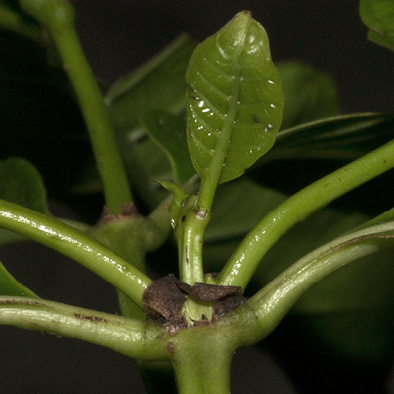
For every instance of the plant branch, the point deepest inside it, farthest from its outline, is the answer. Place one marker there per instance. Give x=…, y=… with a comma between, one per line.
x=10, y=20
x=76, y=245
x=272, y=302
x=162, y=218
x=259, y=240
x=131, y=337
x=58, y=17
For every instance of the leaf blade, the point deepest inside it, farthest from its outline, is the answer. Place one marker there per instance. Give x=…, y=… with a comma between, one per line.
x=310, y=94
x=378, y=16
x=344, y=137
x=168, y=131
x=234, y=96
x=21, y=184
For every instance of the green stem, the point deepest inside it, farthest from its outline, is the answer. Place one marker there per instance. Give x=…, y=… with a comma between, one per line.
x=58, y=17
x=76, y=245
x=10, y=20
x=190, y=247
x=190, y=234
x=198, y=218
x=162, y=218
x=272, y=303
x=259, y=240
x=201, y=358
x=131, y=337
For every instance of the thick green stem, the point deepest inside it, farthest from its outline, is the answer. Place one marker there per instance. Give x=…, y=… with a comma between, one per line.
x=201, y=358
x=246, y=258
x=76, y=245
x=131, y=337
x=58, y=17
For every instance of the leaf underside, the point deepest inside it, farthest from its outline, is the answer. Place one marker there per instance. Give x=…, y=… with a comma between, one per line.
x=234, y=99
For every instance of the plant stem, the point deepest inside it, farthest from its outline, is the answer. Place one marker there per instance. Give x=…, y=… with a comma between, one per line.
x=162, y=218
x=273, y=302
x=131, y=337
x=58, y=17
x=190, y=247
x=202, y=360
x=259, y=240
x=10, y=20
x=76, y=245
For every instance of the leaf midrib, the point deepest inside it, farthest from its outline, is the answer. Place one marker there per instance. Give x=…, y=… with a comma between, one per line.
x=214, y=171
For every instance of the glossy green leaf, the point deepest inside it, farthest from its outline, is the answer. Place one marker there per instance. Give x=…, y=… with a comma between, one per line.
x=234, y=100
x=309, y=94
x=10, y=286
x=169, y=132
x=378, y=16
x=21, y=183
x=345, y=137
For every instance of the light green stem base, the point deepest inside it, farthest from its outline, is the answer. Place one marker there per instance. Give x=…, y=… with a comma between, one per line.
x=201, y=360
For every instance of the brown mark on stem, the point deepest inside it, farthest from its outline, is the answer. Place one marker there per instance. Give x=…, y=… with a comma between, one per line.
x=127, y=211
x=90, y=318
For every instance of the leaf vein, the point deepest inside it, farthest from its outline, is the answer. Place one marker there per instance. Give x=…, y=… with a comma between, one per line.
x=203, y=123
x=217, y=69
x=213, y=87
x=209, y=104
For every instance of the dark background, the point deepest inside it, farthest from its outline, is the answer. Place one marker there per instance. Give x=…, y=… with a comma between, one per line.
x=118, y=36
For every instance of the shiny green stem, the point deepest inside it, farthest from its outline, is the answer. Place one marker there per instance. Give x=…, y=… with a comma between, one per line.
x=131, y=337
x=76, y=245
x=57, y=16
x=270, y=305
x=243, y=263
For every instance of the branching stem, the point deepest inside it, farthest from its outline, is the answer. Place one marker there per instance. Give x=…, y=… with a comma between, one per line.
x=131, y=337
x=259, y=240
x=76, y=245
x=58, y=18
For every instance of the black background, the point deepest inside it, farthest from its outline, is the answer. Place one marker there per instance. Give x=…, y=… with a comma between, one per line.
x=118, y=36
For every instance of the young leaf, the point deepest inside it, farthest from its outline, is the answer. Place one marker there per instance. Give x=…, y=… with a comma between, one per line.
x=234, y=100
x=168, y=131
x=21, y=183
x=378, y=16
x=309, y=94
